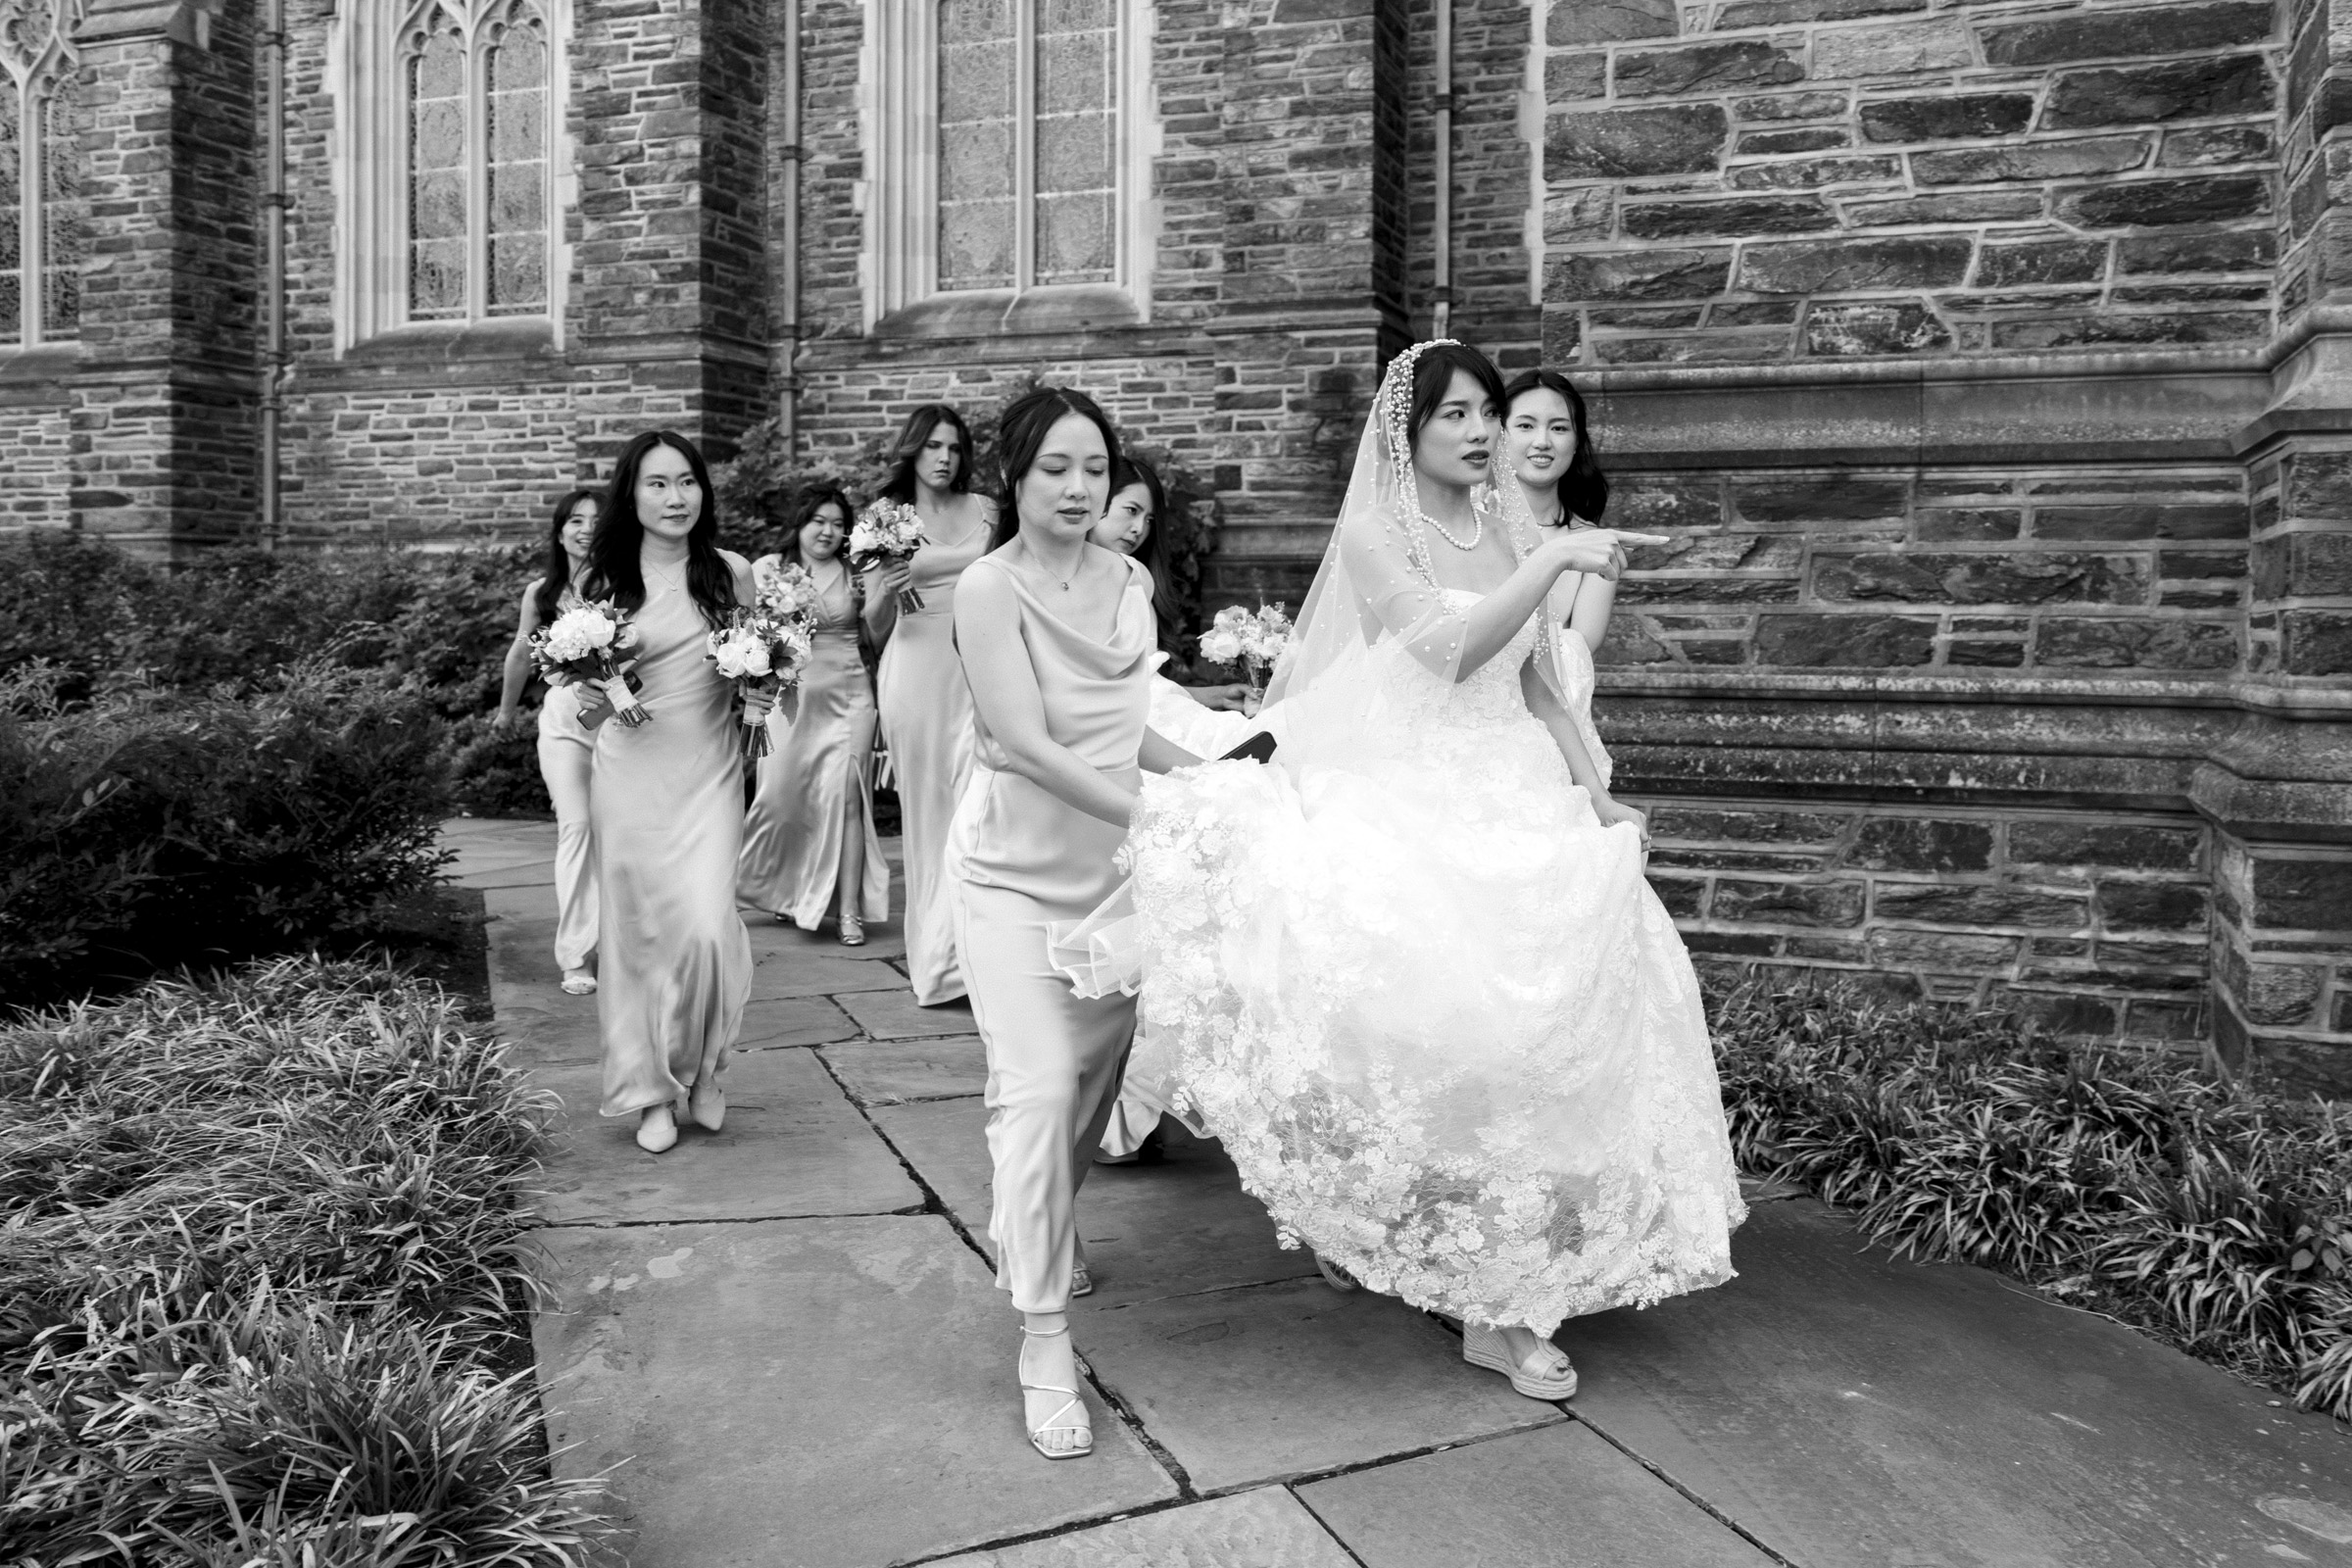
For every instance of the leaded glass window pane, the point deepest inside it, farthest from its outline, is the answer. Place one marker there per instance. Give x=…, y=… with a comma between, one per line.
x=437, y=177
x=517, y=127
x=65, y=235
x=1077, y=178
x=12, y=207
x=977, y=193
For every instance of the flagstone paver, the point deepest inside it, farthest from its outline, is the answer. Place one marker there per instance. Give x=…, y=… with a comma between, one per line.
x=783, y=1344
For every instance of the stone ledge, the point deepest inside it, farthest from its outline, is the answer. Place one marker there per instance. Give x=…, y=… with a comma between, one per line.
x=2316, y=700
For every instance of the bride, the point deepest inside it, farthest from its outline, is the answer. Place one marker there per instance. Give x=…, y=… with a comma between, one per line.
x=1412, y=974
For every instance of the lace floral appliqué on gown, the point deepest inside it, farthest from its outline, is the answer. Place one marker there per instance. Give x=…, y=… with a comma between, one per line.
x=1444, y=1027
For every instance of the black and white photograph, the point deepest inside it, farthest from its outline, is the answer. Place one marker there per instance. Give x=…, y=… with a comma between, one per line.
x=1175, y=783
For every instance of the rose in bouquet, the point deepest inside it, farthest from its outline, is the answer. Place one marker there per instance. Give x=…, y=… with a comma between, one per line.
x=889, y=532
x=592, y=642
x=1252, y=639
x=761, y=649
x=787, y=591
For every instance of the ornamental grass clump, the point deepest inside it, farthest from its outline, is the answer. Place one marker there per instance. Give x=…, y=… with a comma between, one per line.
x=2213, y=1215
x=261, y=1263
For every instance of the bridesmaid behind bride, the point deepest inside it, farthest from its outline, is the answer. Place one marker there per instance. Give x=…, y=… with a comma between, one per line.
x=674, y=960
x=926, y=707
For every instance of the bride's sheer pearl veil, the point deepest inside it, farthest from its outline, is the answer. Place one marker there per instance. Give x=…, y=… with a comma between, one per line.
x=1376, y=579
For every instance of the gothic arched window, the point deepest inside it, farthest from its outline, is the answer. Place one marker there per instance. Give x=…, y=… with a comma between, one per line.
x=450, y=182
x=1010, y=150
x=42, y=241
x=475, y=86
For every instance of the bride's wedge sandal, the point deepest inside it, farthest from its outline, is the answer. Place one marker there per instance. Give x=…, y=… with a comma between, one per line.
x=1546, y=1374
x=1058, y=1437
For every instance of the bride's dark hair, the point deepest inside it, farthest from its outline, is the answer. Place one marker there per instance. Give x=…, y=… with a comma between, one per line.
x=1584, y=488
x=1021, y=432
x=1433, y=374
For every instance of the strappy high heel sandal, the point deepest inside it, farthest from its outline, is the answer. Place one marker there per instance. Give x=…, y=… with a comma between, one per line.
x=1082, y=1280
x=1046, y=1439
x=1338, y=1278
x=1546, y=1374
x=579, y=983
x=853, y=931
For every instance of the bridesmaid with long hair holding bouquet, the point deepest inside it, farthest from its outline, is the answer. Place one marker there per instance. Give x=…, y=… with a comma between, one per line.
x=810, y=832
x=925, y=706
x=675, y=961
x=567, y=749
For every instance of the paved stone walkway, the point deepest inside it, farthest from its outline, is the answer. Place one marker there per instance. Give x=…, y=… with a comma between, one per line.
x=783, y=1345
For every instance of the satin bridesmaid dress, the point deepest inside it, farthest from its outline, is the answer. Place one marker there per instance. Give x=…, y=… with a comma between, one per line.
x=566, y=764
x=1022, y=861
x=674, y=964
x=792, y=837
x=927, y=723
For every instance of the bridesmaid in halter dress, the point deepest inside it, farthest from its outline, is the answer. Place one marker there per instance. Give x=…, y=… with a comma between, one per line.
x=1545, y=436
x=566, y=752
x=675, y=961
x=810, y=833
x=1057, y=636
x=926, y=708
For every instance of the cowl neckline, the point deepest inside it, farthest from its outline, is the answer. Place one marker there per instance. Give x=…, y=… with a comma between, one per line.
x=1133, y=632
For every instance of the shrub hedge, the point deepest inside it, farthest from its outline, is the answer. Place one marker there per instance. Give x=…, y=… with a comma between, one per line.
x=261, y=1265
x=2215, y=1216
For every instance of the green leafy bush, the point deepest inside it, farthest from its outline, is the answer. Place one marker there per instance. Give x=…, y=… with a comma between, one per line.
x=261, y=1257
x=149, y=828
x=2216, y=1216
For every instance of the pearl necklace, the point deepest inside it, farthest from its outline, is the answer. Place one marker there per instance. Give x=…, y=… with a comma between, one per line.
x=1478, y=529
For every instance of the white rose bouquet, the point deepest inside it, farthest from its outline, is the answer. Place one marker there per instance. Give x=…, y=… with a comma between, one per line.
x=591, y=642
x=766, y=647
x=1252, y=640
x=888, y=533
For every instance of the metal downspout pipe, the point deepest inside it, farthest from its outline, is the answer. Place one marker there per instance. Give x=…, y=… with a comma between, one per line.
x=788, y=321
x=1441, y=261
x=273, y=265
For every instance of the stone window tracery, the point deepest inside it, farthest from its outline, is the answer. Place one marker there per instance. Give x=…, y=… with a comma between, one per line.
x=451, y=174
x=42, y=239
x=1012, y=143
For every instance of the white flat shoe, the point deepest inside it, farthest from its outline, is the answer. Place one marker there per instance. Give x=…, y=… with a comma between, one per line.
x=579, y=983
x=708, y=1106
x=657, y=1129
x=1058, y=1437
x=1546, y=1373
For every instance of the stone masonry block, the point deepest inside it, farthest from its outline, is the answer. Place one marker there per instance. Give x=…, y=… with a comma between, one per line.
x=1813, y=904
x=2020, y=579
x=1903, y=50
x=1917, y=844
x=2084, y=845
x=2151, y=906
x=1978, y=115
x=1979, y=904
x=1874, y=326
x=1727, y=220
x=1705, y=68
x=1609, y=21
x=1813, y=266
x=2302, y=895
x=1660, y=274
x=1868, y=642
x=1635, y=143
x=2141, y=95
x=2109, y=34
x=2158, y=202
x=2052, y=159
x=2134, y=644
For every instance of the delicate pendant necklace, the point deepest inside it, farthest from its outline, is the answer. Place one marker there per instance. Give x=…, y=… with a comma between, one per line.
x=1062, y=582
x=670, y=584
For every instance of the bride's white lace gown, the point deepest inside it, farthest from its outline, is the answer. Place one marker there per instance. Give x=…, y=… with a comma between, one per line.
x=1439, y=1019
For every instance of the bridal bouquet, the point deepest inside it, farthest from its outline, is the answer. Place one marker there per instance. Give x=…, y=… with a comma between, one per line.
x=890, y=533
x=1252, y=640
x=585, y=643
x=765, y=648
